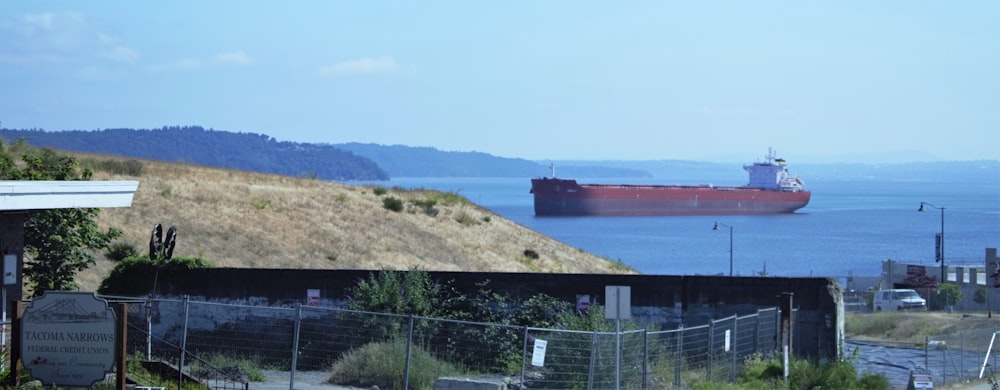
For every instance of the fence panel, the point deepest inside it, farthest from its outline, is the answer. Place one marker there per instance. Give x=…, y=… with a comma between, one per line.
x=767, y=335
x=471, y=348
x=664, y=351
x=161, y=324
x=261, y=334
x=720, y=354
x=695, y=354
x=568, y=359
x=326, y=335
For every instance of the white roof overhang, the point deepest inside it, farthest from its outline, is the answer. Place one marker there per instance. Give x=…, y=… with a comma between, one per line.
x=58, y=194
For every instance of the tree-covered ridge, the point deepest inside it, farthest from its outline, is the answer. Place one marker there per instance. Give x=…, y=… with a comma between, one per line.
x=408, y=161
x=194, y=144
x=262, y=153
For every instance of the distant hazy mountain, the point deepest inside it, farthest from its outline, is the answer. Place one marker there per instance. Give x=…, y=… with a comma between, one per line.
x=369, y=162
x=407, y=161
x=694, y=172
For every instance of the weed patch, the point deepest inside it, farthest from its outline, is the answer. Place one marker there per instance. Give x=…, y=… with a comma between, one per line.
x=382, y=364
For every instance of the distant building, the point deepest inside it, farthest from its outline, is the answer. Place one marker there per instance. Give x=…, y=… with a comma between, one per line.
x=925, y=279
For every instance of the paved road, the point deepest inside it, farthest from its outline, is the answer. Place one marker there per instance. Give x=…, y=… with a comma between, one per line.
x=304, y=380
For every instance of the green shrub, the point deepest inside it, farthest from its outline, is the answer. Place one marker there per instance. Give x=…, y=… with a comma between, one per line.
x=382, y=364
x=260, y=204
x=804, y=374
x=948, y=294
x=134, y=275
x=427, y=206
x=121, y=250
x=869, y=381
x=403, y=292
x=392, y=204
x=466, y=219
x=447, y=198
x=379, y=191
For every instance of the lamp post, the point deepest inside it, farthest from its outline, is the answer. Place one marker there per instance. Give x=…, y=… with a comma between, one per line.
x=940, y=243
x=716, y=227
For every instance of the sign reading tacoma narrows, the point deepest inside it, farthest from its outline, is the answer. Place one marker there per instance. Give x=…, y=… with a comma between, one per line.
x=68, y=338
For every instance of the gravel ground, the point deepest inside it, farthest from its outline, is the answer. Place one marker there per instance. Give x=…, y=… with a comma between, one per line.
x=304, y=380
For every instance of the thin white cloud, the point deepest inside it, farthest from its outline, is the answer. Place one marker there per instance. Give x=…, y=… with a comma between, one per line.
x=183, y=64
x=122, y=54
x=191, y=64
x=46, y=37
x=65, y=37
x=365, y=65
x=233, y=57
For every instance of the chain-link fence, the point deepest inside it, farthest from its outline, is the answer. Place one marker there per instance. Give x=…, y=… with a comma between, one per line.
x=949, y=359
x=206, y=340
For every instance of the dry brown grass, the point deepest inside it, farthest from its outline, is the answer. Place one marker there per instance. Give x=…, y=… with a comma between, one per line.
x=252, y=220
x=969, y=331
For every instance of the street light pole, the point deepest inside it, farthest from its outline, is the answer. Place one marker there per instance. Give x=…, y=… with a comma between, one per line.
x=716, y=227
x=940, y=244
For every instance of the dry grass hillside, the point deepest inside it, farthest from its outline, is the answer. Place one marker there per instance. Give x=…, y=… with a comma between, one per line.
x=253, y=220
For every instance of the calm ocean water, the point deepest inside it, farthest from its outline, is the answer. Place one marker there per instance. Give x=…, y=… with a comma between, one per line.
x=848, y=228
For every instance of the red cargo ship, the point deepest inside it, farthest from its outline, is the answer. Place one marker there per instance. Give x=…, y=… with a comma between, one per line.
x=772, y=190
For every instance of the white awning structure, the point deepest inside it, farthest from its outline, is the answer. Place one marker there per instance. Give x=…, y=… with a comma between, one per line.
x=59, y=194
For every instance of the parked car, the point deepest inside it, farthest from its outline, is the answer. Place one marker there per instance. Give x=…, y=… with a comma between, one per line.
x=898, y=299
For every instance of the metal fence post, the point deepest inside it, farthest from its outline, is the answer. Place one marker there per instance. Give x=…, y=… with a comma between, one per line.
x=149, y=327
x=679, y=356
x=618, y=349
x=645, y=357
x=944, y=366
x=295, y=348
x=406, y=362
x=756, y=334
x=927, y=352
x=524, y=355
x=735, y=346
x=593, y=361
x=711, y=347
x=180, y=368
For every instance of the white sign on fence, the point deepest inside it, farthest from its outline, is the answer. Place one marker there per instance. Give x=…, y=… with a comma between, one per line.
x=538, y=354
x=618, y=302
x=68, y=338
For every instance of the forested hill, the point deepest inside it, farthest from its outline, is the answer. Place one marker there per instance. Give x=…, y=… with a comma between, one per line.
x=193, y=144
x=407, y=161
x=373, y=162
x=261, y=153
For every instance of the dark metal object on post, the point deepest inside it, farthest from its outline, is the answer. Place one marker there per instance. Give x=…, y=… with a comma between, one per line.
x=716, y=227
x=939, y=254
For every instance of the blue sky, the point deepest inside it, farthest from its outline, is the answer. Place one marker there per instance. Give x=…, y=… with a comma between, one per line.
x=818, y=81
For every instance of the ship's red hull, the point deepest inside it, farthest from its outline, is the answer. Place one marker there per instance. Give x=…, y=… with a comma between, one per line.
x=566, y=197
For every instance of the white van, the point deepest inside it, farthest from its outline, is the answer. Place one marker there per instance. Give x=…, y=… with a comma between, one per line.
x=898, y=299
